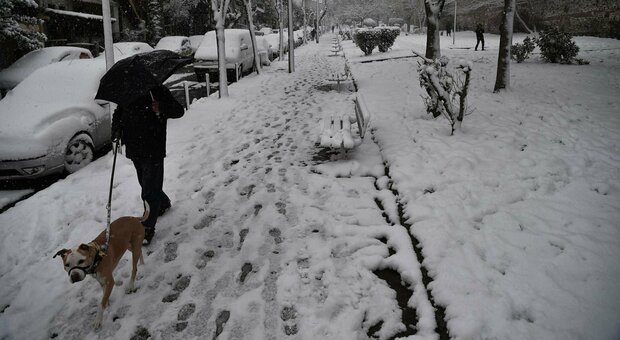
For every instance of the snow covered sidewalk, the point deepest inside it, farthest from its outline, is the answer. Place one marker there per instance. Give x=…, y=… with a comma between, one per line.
x=263, y=240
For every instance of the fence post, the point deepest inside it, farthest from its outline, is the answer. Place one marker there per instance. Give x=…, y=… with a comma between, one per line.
x=208, y=83
x=186, y=87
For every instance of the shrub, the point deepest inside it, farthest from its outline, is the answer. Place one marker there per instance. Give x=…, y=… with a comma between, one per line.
x=387, y=36
x=520, y=52
x=366, y=39
x=369, y=38
x=446, y=91
x=556, y=46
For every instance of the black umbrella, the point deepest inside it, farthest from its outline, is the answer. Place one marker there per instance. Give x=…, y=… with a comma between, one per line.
x=133, y=77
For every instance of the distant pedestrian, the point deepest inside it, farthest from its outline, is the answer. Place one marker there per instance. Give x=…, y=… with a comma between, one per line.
x=448, y=30
x=313, y=33
x=479, y=36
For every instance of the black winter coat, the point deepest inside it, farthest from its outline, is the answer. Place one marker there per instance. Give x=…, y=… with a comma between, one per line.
x=141, y=129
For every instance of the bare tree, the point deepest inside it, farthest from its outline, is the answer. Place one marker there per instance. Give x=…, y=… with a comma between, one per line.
x=357, y=10
x=433, y=10
x=502, y=79
x=220, y=7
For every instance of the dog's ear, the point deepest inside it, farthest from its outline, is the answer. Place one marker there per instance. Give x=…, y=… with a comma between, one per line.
x=84, y=247
x=62, y=253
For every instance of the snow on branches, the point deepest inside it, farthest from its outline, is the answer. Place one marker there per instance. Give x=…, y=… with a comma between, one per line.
x=18, y=23
x=446, y=91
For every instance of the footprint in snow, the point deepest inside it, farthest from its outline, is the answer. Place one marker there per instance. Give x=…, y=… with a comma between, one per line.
x=288, y=316
x=182, y=283
x=245, y=270
x=204, y=258
x=170, y=251
x=242, y=234
x=221, y=320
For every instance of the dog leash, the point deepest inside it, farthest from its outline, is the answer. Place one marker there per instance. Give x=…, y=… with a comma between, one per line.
x=104, y=247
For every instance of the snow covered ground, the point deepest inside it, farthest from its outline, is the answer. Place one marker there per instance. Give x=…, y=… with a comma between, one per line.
x=515, y=218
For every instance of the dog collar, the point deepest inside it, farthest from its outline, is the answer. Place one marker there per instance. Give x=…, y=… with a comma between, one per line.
x=99, y=254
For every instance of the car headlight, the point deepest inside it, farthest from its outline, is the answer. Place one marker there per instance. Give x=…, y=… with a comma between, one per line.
x=34, y=170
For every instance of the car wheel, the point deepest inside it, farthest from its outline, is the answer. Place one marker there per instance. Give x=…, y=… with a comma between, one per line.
x=79, y=153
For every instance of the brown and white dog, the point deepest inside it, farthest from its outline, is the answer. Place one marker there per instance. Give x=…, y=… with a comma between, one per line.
x=126, y=233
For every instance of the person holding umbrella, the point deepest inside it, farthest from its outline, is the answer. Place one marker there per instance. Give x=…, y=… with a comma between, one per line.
x=141, y=126
x=140, y=121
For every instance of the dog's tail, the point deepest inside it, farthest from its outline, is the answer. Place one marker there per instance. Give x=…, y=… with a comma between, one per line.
x=147, y=211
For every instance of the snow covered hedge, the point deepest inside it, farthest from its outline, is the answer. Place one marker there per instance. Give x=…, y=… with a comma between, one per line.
x=555, y=47
x=369, y=38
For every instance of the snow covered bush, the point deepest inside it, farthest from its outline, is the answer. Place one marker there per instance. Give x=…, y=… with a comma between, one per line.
x=557, y=46
x=369, y=38
x=520, y=52
x=387, y=36
x=446, y=91
x=366, y=39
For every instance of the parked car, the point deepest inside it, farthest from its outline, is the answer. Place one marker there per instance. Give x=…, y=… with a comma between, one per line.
x=266, y=30
x=274, y=42
x=177, y=43
x=264, y=50
x=123, y=50
x=95, y=48
x=50, y=122
x=24, y=66
x=194, y=41
x=239, y=55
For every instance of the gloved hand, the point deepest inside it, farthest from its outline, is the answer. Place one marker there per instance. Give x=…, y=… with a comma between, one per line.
x=116, y=135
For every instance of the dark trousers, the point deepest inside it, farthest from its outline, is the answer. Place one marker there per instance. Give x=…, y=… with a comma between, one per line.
x=151, y=178
x=479, y=40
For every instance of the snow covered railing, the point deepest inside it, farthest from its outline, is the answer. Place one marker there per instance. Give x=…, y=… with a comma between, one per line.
x=336, y=129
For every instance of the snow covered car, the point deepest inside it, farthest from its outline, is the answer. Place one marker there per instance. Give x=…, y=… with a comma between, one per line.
x=24, y=66
x=123, y=50
x=178, y=44
x=274, y=41
x=239, y=55
x=50, y=122
x=194, y=41
x=264, y=50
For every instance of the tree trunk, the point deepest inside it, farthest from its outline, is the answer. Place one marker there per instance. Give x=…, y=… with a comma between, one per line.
x=281, y=33
x=303, y=9
x=433, y=10
x=257, y=63
x=219, y=13
x=502, y=79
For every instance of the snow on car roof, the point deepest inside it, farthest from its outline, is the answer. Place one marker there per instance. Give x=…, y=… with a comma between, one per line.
x=32, y=60
x=274, y=40
x=208, y=46
x=171, y=43
x=126, y=49
x=60, y=87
